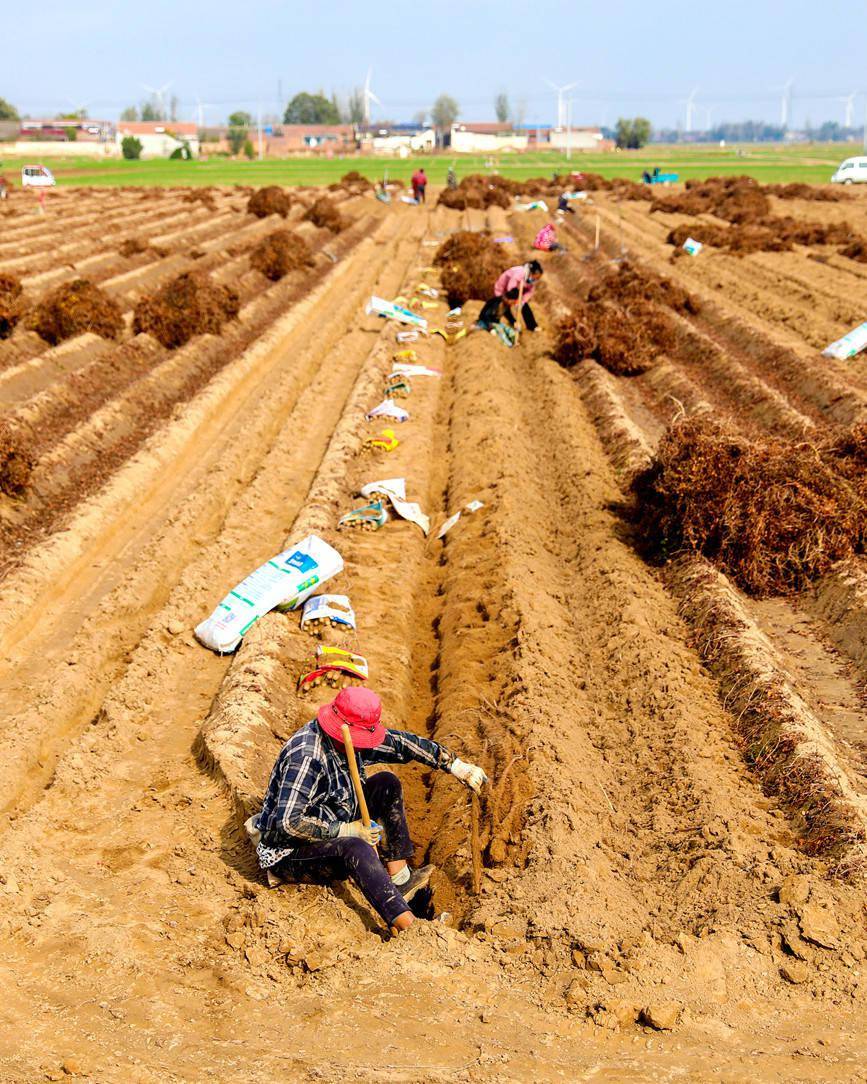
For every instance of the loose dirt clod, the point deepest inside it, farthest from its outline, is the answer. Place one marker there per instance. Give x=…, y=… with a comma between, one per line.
x=16, y=462
x=203, y=196
x=353, y=181
x=471, y=263
x=279, y=253
x=189, y=305
x=856, y=250
x=773, y=515
x=325, y=215
x=11, y=303
x=133, y=246
x=271, y=200
x=73, y=308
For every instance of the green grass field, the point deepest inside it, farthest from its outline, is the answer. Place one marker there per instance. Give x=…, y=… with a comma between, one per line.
x=812, y=163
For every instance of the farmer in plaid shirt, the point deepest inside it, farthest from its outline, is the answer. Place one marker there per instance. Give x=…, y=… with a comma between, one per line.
x=310, y=823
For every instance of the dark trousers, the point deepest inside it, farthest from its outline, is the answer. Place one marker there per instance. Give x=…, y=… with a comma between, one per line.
x=490, y=314
x=337, y=859
x=419, y=193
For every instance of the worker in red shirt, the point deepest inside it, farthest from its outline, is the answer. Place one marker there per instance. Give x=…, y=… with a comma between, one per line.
x=419, y=184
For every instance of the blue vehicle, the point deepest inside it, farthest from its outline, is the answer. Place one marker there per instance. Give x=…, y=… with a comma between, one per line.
x=659, y=178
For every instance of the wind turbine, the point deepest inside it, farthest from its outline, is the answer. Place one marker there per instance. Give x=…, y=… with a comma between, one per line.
x=200, y=111
x=561, y=104
x=786, y=103
x=690, y=108
x=369, y=97
x=159, y=94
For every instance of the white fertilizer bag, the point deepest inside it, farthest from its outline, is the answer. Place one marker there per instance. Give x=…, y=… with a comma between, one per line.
x=287, y=579
x=851, y=344
x=380, y=307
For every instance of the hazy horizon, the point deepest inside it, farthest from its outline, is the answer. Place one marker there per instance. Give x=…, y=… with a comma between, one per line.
x=629, y=58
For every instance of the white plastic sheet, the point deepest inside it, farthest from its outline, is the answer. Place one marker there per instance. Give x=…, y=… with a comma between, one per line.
x=473, y=506
x=388, y=408
x=408, y=368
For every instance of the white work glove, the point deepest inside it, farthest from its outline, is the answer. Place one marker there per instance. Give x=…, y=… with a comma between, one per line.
x=471, y=774
x=357, y=829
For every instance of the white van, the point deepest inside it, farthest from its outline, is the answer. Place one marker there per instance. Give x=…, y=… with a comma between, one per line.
x=37, y=177
x=852, y=171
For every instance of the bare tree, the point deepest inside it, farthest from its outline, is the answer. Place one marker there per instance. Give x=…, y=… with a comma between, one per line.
x=355, y=107
x=444, y=113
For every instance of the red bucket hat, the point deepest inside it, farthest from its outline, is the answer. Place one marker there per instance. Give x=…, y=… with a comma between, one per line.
x=361, y=710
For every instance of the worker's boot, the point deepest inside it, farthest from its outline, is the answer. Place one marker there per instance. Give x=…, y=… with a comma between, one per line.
x=418, y=879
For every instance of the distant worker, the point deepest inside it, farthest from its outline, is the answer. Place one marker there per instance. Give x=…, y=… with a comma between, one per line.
x=310, y=823
x=546, y=240
x=419, y=184
x=451, y=177
x=4, y=187
x=646, y=178
x=564, y=206
x=508, y=291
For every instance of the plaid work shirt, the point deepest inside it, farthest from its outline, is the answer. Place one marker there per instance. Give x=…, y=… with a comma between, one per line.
x=310, y=792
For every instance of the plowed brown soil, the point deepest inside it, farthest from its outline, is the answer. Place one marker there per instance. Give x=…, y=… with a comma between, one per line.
x=624, y=903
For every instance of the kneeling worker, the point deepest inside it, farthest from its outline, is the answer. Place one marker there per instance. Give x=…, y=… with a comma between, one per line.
x=310, y=820
x=516, y=284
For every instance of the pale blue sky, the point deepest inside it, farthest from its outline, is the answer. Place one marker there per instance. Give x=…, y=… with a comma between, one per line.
x=628, y=56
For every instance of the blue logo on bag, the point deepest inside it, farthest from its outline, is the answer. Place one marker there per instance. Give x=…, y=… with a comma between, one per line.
x=302, y=561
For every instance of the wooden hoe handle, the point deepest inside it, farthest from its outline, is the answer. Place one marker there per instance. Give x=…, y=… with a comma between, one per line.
x=353, y=771
x=518, y=314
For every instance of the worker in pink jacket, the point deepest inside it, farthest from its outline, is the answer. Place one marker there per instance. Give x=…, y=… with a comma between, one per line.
x=507, y=293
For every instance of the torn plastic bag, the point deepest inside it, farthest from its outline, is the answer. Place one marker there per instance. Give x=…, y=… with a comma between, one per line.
x=473, y=506
x=388, y=409
x=335, y=609
x=408, y=368
x=394, y=490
